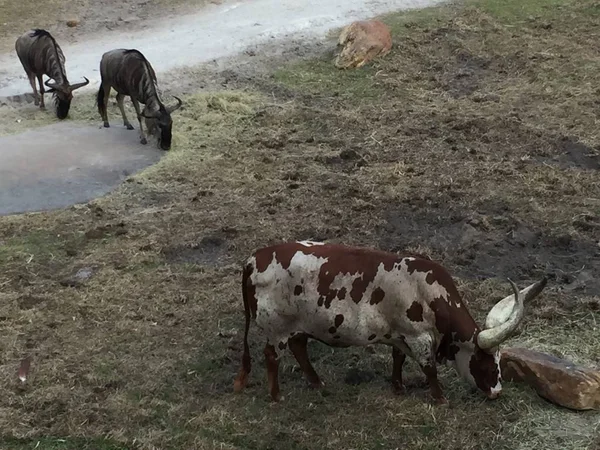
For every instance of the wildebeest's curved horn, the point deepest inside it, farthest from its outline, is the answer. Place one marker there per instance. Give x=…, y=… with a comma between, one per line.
x=493, y=337
x=78, y=85
x=170, y=109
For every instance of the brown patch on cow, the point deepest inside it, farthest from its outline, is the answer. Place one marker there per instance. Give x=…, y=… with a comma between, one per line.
x=434, y=271
x=263, y=259
x=373, y=336
x=298, y=290
x=439, y=306
x=332, y=330
x=339, y=319
x=451, y=319
x=340, y=260
x=415, y=312
x=377, y=296
x=320, y=301
x=387, y=336
x=484, y=369
x=329, y=297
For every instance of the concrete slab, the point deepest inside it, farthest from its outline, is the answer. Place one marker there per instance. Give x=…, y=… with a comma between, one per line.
x=66, y=163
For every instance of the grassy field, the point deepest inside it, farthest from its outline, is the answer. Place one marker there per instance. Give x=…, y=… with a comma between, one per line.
x=474, y=141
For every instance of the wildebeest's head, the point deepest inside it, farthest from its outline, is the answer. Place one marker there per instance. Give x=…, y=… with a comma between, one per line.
x=477, y=360
x=63, y=94
x=161, y=119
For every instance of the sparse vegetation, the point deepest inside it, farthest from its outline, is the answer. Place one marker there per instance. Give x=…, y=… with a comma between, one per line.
x=474, y=141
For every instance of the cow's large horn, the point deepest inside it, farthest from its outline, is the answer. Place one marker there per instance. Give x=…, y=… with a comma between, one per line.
x=493, y=337
x=502, y=310
x=79, y=85
x=170, y=109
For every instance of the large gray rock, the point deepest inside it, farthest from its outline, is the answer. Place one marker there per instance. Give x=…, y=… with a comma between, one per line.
x=557, y=380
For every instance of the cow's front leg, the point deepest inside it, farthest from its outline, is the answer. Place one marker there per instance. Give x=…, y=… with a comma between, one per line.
x=298, y=346
x=421, y=348
x=272, y=371
x=398, y=357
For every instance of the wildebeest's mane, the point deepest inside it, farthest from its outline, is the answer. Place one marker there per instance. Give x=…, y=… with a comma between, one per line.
x=143, y=74
x=39, y=32
x=141, y=56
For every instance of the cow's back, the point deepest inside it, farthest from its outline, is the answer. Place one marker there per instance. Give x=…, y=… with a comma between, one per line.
x=340, y=295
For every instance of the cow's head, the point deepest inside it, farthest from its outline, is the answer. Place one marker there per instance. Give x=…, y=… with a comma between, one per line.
x=478, y=360
x=63, y=94
x=161, y=120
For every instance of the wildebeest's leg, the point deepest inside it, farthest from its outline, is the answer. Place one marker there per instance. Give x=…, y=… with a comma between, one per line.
x=102, y=100
x=398, y=357
x=421, y=348
x=272, y=371
x=120, y=98
x=298, y=345
x=136, y=105
x=42, y=105
x=36, y=98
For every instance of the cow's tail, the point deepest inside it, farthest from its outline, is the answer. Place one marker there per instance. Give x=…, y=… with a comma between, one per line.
x=100, y=101
x=249, y=312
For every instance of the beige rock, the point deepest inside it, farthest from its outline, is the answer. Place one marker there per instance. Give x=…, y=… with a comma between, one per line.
x=557, y=380
x=361, y=42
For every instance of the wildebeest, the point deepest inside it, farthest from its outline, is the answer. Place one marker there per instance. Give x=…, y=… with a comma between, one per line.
x=347, y=296
x=130, y=73
x=41, y=55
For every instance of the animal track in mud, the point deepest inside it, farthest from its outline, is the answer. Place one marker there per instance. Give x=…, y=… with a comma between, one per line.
x=502, y=247
x=211, y=250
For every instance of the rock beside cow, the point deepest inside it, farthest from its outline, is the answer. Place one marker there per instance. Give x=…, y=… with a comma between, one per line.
x=361, y=42
x=555, y=379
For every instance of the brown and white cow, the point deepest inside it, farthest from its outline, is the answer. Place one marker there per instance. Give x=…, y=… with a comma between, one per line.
x=346, y=296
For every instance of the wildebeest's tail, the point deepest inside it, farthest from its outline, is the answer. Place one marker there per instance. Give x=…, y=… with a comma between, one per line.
x=249, y=312
x=100, y=101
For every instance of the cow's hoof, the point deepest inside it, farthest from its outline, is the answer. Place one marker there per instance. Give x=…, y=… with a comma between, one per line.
x=129, y=126
x=398, y=388
x=143, y=141
x=276, y=399
x=106, y=125
x=442, y=401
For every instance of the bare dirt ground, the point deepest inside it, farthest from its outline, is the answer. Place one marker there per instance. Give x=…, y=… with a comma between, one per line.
x=474, y=142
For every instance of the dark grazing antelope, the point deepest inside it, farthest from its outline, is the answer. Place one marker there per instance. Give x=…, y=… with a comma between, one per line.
x=130, y=73
x=346, y=296
x=40, y=55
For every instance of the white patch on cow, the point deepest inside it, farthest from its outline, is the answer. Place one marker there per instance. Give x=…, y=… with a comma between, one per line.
x=310, y=243
x=498, y=388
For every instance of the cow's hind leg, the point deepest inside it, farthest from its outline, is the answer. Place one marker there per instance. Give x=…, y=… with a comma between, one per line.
x=272, y=371
x=398, y=357
x=298, y=346
x=120, y=98
x=136, y=105
x=421, y=349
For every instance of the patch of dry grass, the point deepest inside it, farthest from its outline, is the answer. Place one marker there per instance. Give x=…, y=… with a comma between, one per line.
x=457, y=150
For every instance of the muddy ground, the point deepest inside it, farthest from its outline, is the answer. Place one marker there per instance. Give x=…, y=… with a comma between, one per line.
x=474, y=142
